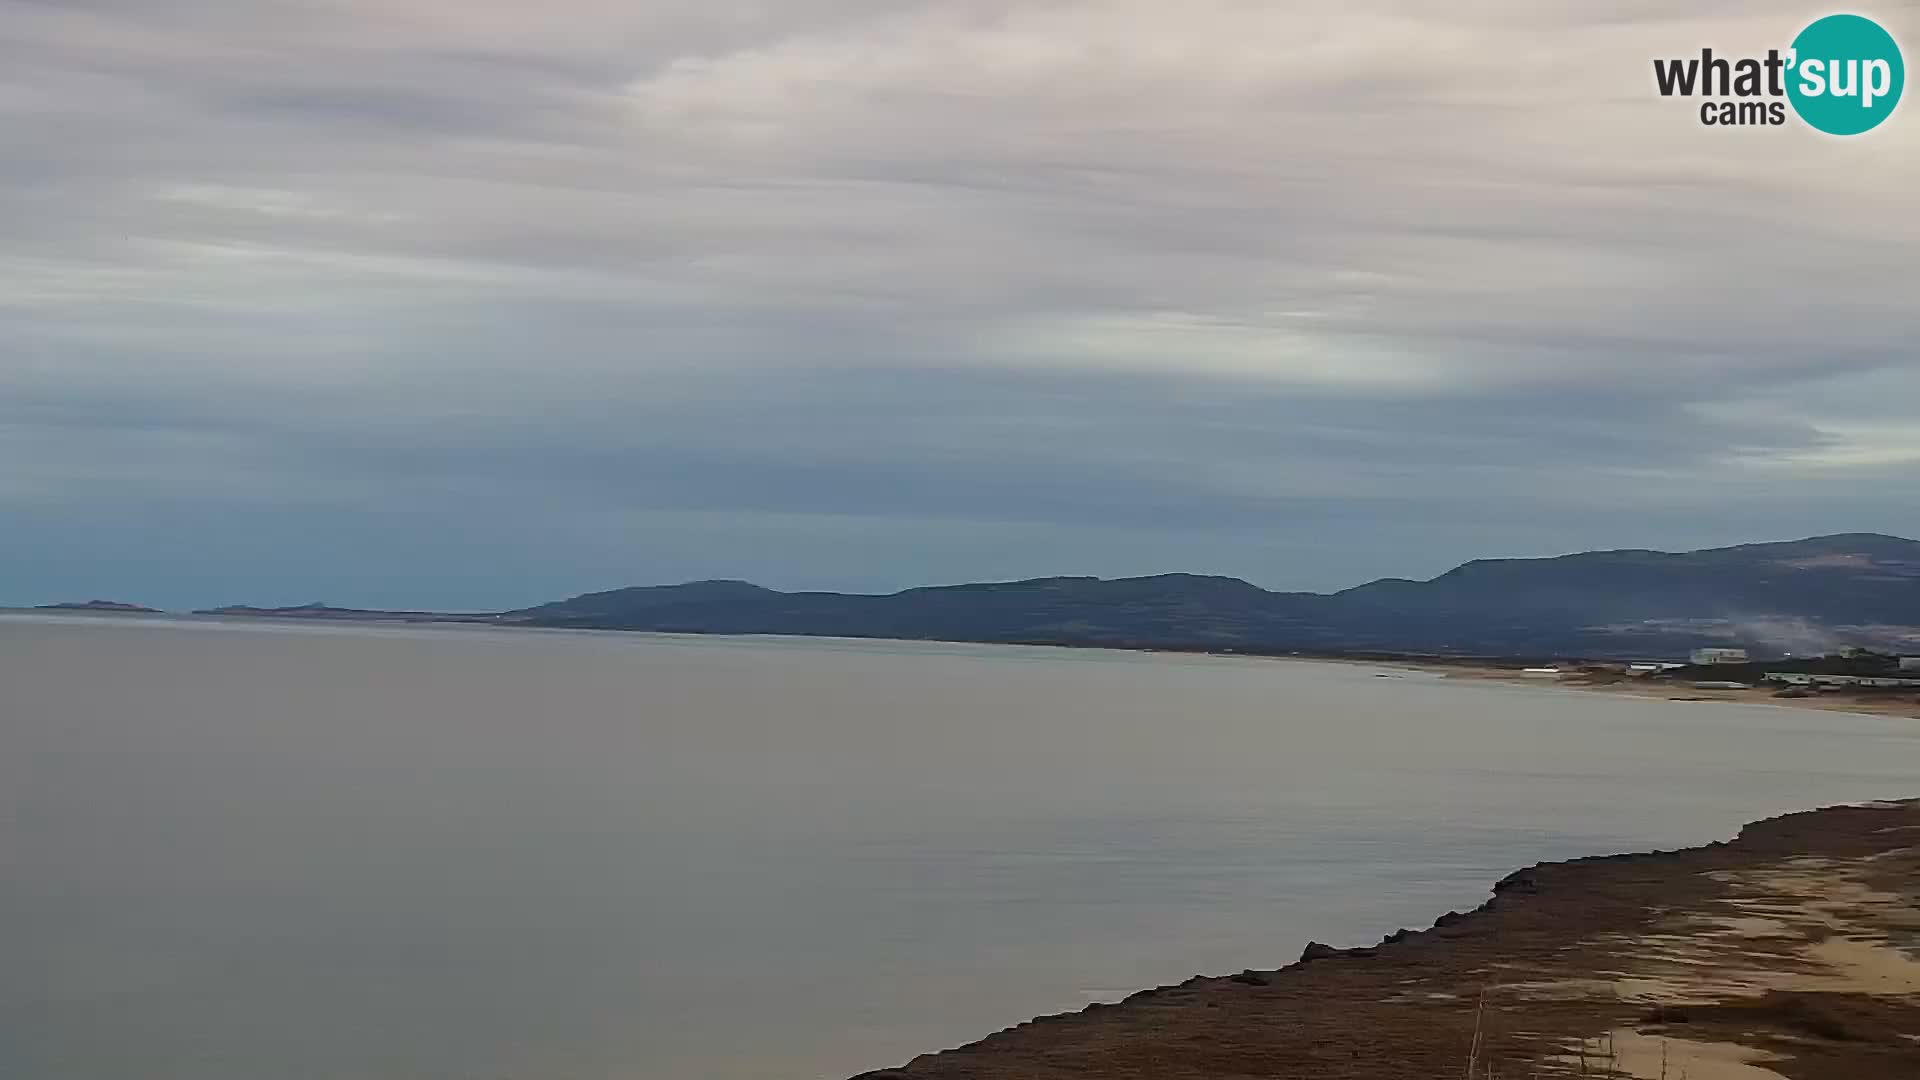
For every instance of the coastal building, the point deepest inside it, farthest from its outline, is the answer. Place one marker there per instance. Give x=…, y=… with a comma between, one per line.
x=1707, y=657
x=1910, y=663
x=1877, y=682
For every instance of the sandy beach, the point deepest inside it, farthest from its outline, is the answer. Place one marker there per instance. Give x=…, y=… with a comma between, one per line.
x=1880, y=703
x=1789, y=953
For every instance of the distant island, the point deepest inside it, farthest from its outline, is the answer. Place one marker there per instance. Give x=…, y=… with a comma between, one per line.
x=100, y=605
x=339, y=614
x=1800, y=597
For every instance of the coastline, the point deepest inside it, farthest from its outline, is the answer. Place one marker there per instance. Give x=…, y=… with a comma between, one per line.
x=1789, y=953
x=1846, y=954
x=1879, y=704
x=1651, y=687
x=1872, y=703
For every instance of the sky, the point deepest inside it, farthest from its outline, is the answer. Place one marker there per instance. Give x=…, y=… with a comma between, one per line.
x=470, y=304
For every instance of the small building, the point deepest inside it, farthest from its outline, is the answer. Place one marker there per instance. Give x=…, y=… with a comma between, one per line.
x=1874, y=682
x=1709, y=657
x=1910, y=663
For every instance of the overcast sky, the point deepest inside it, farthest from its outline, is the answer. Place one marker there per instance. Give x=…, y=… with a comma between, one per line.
x=475, y=303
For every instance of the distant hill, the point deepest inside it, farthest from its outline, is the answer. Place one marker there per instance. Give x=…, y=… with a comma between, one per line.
x=337, y=614
x=1801, y=596
x=100, y=605
x=1172, y=610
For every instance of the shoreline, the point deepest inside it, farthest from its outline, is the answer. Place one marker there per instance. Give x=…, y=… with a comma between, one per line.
x=1467, y=669
x=1653, y=687
x=1791, y=952
x=1735, y=960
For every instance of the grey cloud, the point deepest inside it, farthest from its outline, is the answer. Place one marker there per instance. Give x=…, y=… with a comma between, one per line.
x=1215, y=278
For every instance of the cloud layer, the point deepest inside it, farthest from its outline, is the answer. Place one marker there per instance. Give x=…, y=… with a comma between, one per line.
x=469, y=303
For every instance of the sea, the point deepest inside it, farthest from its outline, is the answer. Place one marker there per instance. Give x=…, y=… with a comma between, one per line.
x=240, y=850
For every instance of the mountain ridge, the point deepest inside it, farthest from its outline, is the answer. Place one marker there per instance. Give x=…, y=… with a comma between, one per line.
x=1774, y=597
x=1858, y=587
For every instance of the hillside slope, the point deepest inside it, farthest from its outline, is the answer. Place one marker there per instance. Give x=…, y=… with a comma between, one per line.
x=1804, y=595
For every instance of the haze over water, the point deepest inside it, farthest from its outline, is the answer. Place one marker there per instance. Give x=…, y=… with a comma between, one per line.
x=236, y=851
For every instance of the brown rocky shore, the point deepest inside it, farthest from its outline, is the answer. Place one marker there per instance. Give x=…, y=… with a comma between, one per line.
x=1790, y=952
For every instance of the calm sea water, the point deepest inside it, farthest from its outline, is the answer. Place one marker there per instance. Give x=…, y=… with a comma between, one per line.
x=242, y=851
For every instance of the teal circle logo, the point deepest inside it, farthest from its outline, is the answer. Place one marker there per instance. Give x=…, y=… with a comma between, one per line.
x=1845, y=74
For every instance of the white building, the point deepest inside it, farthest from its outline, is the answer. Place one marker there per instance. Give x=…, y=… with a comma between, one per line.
x=1704, y=657
x=1880, y=682
x=1910, y=663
